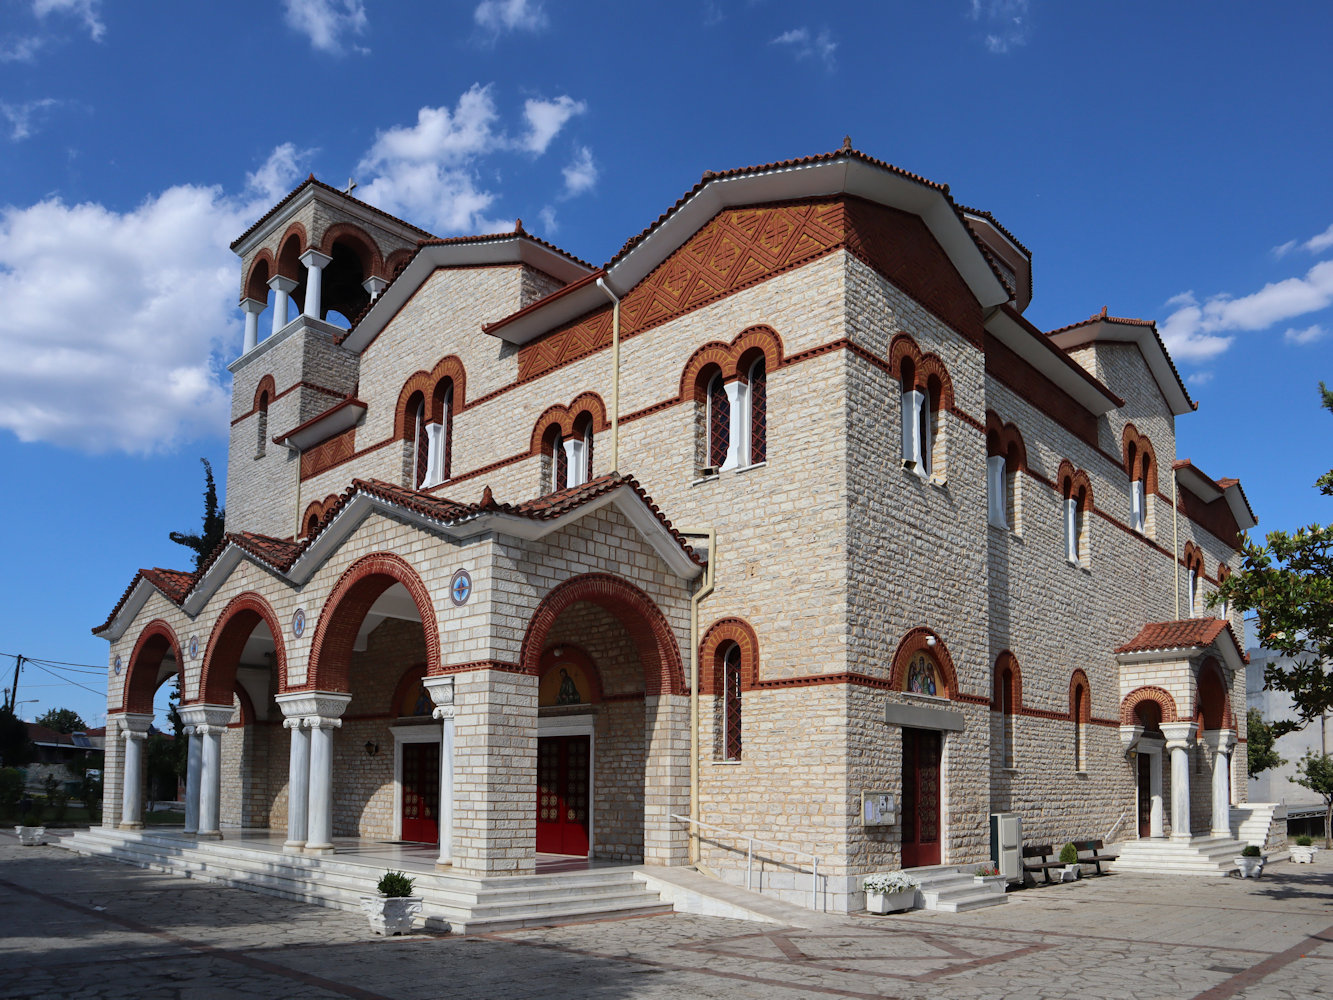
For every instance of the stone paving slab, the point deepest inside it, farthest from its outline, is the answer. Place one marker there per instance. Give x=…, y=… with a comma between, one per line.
x=74, y=927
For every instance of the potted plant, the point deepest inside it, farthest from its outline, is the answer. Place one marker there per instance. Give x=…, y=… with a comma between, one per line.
x=31, y=836
x=1069, y=858
x=890, y=891
x=1251, y=861
x=988, y=875
x=392, y=911
x=1303, y=851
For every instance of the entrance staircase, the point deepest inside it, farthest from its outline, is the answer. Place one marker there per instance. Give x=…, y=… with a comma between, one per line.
x=947, y=888
x=459, y=903
x=1197, y=856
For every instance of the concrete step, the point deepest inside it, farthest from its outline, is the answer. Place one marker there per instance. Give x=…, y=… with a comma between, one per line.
x=948, y=889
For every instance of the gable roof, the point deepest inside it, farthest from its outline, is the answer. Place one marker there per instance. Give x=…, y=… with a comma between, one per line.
x=1192, y=478
x=312, y=185
x=1185, y=634
x=1144, y=334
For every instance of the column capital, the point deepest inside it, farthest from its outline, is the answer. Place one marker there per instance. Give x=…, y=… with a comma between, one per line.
x=1179, y=735
x=313, y=704
x=135, y=722
x=253, y=306
x=314, y=258
x=296, y=722
x=321, y=722
x=374, y=285
x=1220, y=740
x=280, y=284
x=134, y=735
x=1130, y=736
x=443, y=712
x=204, y=716
x=441, y=690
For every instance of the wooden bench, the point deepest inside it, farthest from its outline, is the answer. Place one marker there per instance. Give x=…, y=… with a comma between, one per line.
x=1092, y=852
x=1040, y=858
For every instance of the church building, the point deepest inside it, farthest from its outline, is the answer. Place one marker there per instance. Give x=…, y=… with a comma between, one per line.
x=783, y=523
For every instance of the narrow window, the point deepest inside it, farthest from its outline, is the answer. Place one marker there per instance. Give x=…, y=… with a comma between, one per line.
x=719, y=422
x=758, y=412
x=262, y=443
x=1071, y=528
x=1007, y=717
x=421, y=449
x=997, y=491
x=731, y=702
x=578, y=450
x=559, y=463
x=1080, y=763
x=439, y=434
x=311, y=523
x=1193, y=592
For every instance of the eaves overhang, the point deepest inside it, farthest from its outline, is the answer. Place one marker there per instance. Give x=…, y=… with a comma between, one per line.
x=1192, y=478
x=1142, y=334
x=339, y=417
x=1025, y=340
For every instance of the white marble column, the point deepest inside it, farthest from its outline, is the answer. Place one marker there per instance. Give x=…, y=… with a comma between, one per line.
x=1221, y=741
x=194, y=764
x=209, y=721
x=321, y=716
x=1178, y=741
x=314, y=262
x=298, y=786
x=252, y=308
x=282, y=292
x=1156, y=812
x=442, y=693
x=134, y=731
x=374, y=285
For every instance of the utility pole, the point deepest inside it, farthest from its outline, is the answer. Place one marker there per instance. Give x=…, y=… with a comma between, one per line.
x=13, y=692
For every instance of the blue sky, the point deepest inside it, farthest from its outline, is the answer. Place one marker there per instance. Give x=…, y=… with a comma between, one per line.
x=1168, y=161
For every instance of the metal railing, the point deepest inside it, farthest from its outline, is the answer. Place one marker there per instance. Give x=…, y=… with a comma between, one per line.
x=1111, y=832
x=749, y=854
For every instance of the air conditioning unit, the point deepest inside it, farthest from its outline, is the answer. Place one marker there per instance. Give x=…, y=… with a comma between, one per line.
x=1006, y=845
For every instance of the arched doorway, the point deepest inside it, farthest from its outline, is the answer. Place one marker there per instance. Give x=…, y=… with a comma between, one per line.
x=922, y=668
x=146, y=771
x=1146, y=709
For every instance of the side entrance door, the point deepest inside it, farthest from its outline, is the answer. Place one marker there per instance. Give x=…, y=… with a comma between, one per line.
x=921, y=796
x=421, y=793
x=1145, y=795
x=562, y=795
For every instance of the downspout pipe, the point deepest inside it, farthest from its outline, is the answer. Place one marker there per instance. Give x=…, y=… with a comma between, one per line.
x=296, y=454
x=615, y=373
x=705, y=588
x=1175, y=535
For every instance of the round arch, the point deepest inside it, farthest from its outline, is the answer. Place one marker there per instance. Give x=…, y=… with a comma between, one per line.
x=1080, y=711
x=1007, y=661
x=915, y=641
x=227, y=640
x=722, y=631
x=141, y=680
x=1213, y=699
x=653, y=638
x=1160, y=696
x=357, y=589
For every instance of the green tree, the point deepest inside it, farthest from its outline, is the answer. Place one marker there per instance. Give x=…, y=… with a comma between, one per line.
x=1289, y=581
x=16, y=748
x=1259, y=752
x=62, y=720
x=207, y=540
x=1315, y=772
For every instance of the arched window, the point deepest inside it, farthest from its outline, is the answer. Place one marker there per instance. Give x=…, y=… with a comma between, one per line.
x=578, y=451
x=262, y=425
x=922, y=432
x=1077, y=502
x=1079, y=712
x=439, y=434
x=420, y=458
x=311, y=522
x=756, y=397
x=1141, y=467
x=718, y=422
x=1193, y=580
x=1006, y=702
x=730, y=671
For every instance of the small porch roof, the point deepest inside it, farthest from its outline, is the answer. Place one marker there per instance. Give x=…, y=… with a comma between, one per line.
x=1184, y=639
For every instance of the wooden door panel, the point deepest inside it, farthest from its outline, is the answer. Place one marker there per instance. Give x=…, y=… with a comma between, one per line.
x=563, y=795
x=421, y=793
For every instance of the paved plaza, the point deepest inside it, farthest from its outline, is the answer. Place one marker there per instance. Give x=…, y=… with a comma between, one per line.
x=74, y=927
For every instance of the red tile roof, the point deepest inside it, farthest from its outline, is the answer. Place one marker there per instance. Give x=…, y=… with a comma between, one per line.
x=173, y=583
x=982, y=213
x=1189, y=633
x=311, y=181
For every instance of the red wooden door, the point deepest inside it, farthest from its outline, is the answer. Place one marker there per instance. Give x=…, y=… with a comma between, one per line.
x=921, y=797
x=421, y=793
x=562, y=795
x=1145, y=795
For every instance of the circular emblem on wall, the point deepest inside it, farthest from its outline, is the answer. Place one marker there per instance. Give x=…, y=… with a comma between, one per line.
x=194, y=647
x=298, y=622
x=117, y=666
x=460, y=588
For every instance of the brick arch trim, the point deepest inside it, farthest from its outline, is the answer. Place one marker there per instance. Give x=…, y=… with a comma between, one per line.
x=721, y=632
x=372, y=262
x=256, y=280
x=924, y=366
x=1078, y=679
x=1071, y=480
x=410, y=678
x=227, y=640
x=659, y=652
x=1148, y=693
x=317, y=509
x=564, y=417
x=914, y=641
x=729, y=358
x=1142, y=446
x=1004, y=438
x=425, y=382
x=291, y=268
x=1192, y=558
x=1008, y=661
x=1212, y=697
x=266, y=384
x=356, y=590
x=150, y=649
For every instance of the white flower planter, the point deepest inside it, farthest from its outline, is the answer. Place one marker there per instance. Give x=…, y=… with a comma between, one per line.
x=1302, y=855
x=1071, y=873
x=890, y=902
x=1251, y=867
x=391, y=915
x=31, y=836
x=995, y=882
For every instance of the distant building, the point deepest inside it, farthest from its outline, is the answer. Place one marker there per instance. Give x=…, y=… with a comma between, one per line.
x=1278, y=784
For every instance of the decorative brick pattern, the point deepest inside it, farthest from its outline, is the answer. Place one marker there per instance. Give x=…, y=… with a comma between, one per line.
x=226, y=643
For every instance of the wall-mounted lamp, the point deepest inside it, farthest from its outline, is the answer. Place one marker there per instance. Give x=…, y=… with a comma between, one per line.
x=930, y=640
x=372, y=748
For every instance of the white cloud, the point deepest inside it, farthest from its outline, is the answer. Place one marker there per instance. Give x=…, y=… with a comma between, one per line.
x=1006, y=21
x=581, y=173
x=1315, y=244
x=1196, y=331
x=327, y=23
x=546, y=118
x=278, y=173
x=509, y=15
x=21, y=49
x=21, y=117
x=1307, y=336
x=87, y=10
x=803, y=45
x=547, y=219
x=112, y=318
x=1199, y=378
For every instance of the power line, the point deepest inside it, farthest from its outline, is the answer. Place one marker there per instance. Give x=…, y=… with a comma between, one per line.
x=62, y=663
x=56, y=664
x=65, y=679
